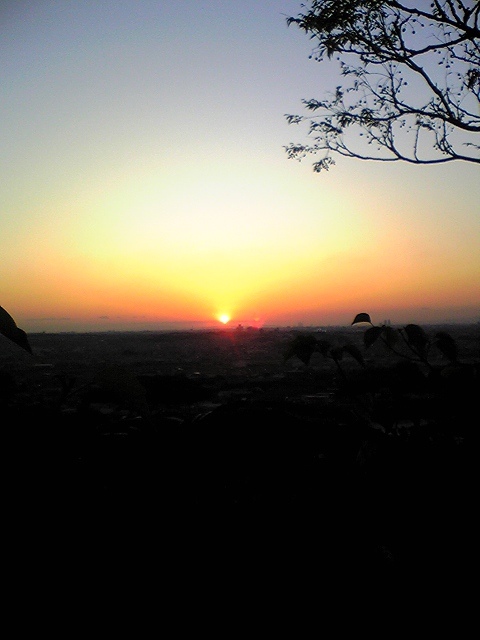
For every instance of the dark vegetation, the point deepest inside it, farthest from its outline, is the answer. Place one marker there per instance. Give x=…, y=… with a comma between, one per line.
x=285, y=451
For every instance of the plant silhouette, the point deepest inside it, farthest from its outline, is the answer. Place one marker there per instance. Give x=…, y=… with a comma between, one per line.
x=428, y=382
x=8, y=328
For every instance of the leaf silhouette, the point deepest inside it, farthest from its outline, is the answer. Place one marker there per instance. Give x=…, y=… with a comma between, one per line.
x=323, y=347
x=416, y=336
x=361, y=317
x=371, y=335
x=7, y=323
x=8, y=328
x=390, y=335
x=302, y=347
x=355, y=352
x=337, y=353
x=447, y=345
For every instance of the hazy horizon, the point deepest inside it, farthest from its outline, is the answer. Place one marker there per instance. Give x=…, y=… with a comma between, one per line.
x=420, y=316
x=145, y=180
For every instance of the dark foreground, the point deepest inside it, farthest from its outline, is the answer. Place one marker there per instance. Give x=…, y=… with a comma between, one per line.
x=206, y=461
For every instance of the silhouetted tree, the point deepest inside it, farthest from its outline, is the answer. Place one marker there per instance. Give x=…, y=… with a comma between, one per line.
x=410, y=74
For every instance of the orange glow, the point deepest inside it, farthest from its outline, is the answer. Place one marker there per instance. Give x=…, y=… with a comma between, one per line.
x=224, y=318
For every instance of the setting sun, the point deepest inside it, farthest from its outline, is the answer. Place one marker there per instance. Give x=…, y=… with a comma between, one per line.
x=224, y=318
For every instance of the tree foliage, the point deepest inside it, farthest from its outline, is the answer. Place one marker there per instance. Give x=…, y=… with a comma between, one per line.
x=410, y=81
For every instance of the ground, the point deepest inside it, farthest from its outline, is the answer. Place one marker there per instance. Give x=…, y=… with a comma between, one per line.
x=236, y=458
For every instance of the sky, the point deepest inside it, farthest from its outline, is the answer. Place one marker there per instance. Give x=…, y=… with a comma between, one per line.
x=145, y=184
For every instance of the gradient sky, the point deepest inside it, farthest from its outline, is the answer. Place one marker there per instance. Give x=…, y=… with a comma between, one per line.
x=144, y=180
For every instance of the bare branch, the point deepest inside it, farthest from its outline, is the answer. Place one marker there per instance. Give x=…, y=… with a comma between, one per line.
x=411, y=81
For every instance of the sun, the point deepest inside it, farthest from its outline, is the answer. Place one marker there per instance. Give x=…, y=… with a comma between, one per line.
x=224, y=318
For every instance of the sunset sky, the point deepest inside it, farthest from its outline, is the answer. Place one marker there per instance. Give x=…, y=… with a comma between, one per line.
x=145, y=183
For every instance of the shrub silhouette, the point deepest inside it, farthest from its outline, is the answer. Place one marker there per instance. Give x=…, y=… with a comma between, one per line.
x=428, y=382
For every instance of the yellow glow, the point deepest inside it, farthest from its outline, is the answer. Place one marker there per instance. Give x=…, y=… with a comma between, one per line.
x=158, y=251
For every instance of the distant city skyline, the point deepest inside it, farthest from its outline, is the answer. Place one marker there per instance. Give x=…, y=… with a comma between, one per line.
x=419, y=316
